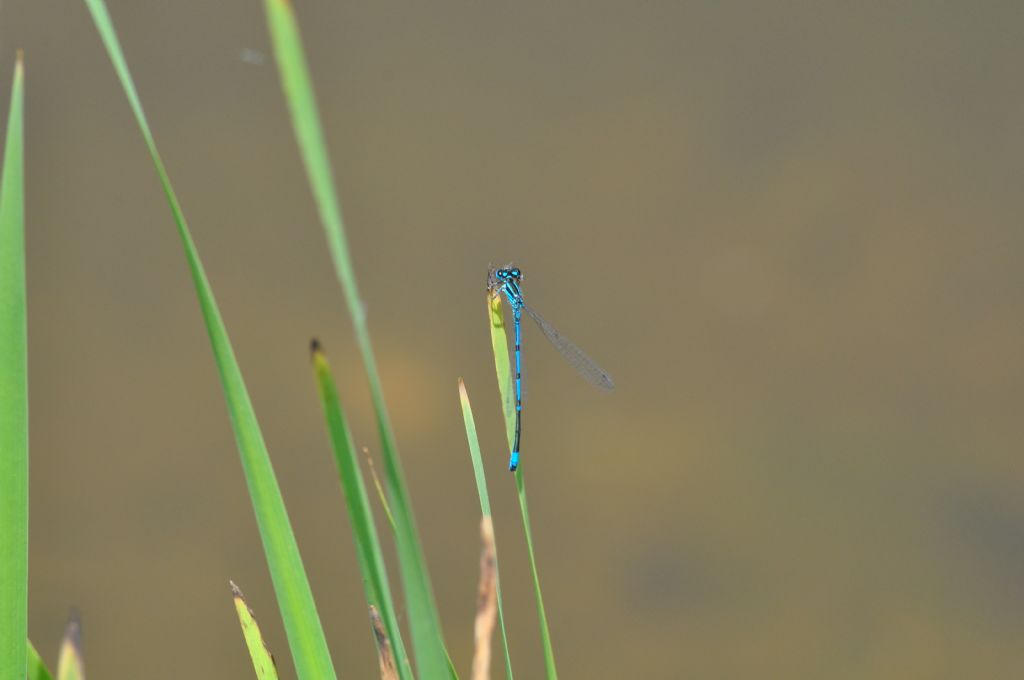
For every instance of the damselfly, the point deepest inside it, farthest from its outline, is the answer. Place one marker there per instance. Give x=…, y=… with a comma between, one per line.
x=507, y=280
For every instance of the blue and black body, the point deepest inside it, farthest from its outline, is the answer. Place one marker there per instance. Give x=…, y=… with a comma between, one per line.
x=507, y=280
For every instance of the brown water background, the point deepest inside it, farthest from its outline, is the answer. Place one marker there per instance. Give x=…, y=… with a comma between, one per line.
x=792, y=232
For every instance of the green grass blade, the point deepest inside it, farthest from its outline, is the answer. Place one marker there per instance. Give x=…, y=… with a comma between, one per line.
x=499, y=343
x=70, y=664
x=424, y=622
x=13, y=394
x=302, y=623
x=37, y=670
x=545, y=634
x=485, y=507
x=262, y=660
x=360, y=512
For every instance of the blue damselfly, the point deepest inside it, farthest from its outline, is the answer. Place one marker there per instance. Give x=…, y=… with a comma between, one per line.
x=507, y=280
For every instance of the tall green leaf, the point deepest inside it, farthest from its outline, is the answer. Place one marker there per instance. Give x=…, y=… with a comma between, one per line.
x=360, y=511
x=424, y=622
x=302, y=623
x=485, y=507
x=13, y=395
x=502, y=365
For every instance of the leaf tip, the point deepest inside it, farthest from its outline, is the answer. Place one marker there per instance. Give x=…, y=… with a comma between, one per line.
x=70, y=662
x=73, y=631
x=317, y=356
x=240, y=600
x=388, y=669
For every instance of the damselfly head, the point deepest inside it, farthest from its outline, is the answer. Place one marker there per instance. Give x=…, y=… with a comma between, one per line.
x=509, y=272
x=498, y=276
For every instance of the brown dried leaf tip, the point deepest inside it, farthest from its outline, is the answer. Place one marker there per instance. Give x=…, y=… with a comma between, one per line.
x=236, y=593
x=486, y=602
x=388, y=670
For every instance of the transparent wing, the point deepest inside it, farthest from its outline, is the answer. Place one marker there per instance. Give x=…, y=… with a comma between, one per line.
x=573, y=354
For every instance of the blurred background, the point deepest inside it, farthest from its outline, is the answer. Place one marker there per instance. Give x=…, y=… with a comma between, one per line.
x=792, y=233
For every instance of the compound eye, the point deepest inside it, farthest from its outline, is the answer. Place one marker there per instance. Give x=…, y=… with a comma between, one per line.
x=516, y=273
x=501, y=274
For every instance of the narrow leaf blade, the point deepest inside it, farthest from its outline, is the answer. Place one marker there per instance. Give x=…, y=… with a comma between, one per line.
x=13, y=394
x=424, y=621
x=360, y=511
x=306, y=639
